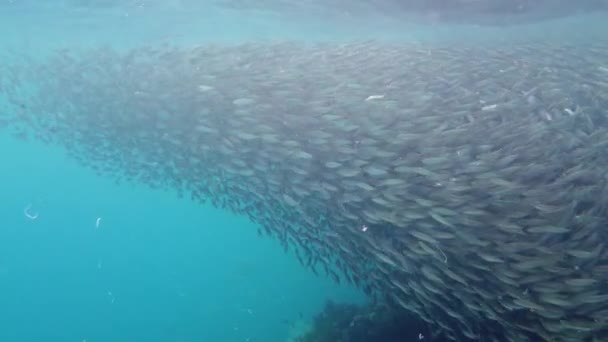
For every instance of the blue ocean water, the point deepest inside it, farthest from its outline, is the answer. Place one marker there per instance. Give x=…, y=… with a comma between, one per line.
x=156, y=268
x=108, y=262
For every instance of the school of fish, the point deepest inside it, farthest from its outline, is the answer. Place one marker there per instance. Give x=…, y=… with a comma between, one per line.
x=464, y=183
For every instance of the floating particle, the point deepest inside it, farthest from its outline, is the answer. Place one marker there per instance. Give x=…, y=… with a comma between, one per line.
x=489, y=107
x=374, y=97
x=28, y=214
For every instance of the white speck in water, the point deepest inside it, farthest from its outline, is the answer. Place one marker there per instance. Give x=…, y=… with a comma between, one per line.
x=489, y=107
x=374, y=97
x=28, y=214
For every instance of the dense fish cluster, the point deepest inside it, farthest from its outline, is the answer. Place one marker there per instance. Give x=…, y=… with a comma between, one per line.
x=466, y=184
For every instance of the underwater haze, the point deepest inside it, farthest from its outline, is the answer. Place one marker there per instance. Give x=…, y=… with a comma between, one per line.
x=311, y=171
x=155, y=267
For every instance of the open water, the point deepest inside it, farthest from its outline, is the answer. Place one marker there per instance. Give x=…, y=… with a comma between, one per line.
x=83, y=258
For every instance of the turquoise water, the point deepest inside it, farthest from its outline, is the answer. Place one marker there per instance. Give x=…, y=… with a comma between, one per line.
x=157, y=268
x=108, y=262
x=36, y=28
